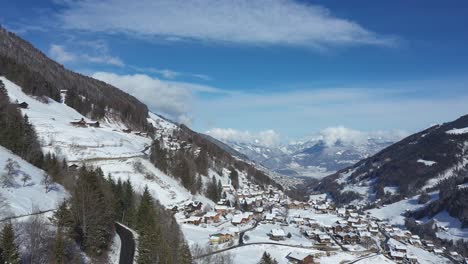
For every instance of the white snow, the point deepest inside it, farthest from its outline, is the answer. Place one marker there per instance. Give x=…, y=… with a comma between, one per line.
x=426, y=162
x=394, y=212
x=457, y=131
x=453, y=231
x=114, y=251
x=108, y=146
x=21, y=200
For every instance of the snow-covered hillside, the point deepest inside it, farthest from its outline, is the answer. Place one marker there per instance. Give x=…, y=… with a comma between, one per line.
x=120, y=154
x=24, y=198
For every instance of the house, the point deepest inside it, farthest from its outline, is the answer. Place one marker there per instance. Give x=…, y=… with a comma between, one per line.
x=194, y=220
x=95, y=124
x=438, y=251
x=23, y=105
x=300, y=258
x=239, y=219
x=411, y=259
x=81, y=123
x=128, y=130
x=221, y=209
x=220, y=238
x=73, y=167
x=277, y=234
x=211, y=217
x=400, y=248
x=192, y=206
x=399, y=257
x=324, y=238
x=341, y=212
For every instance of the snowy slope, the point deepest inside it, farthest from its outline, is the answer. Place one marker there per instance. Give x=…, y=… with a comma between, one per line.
x=20, y=200
x=108, y=147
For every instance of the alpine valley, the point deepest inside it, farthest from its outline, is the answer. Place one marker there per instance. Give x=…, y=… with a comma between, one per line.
x=90, y=174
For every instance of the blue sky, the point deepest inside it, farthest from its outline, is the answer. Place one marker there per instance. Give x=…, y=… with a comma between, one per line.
x=283, y=69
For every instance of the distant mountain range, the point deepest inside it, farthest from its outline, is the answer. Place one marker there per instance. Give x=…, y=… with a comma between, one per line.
x=316, y=157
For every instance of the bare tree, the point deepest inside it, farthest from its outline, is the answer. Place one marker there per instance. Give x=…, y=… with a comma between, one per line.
x=47, y=182
x=38, y=239
x=11, y=169
x=26, y=177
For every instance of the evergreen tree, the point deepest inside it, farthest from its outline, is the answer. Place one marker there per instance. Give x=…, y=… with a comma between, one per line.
x=148, y=230
x=234, y=176
x=185, y=257
x=59, y=247
x=10, y=249
x=267, y=259
x=92, y=212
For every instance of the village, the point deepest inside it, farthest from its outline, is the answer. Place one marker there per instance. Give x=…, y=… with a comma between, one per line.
x=317, y=229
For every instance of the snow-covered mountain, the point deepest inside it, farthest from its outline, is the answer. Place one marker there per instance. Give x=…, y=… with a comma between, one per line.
x=317, y=156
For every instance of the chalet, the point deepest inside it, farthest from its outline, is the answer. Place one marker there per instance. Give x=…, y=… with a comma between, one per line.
x=399, y=257
x=300, y=258
x=128, y=130
x=411, y=259
x=400, y=248
x=277, y=234
x=270, y=218
x=95, y=124
x=313, y=234
x=211, y=217
x=192, y=206
x=341, y=212
x=438, y=251
x=221, y=209
x=324, y=239
x=239, y=219
x=73, y=167
x=220, y=238
x=23, y=105
x=194, y=220
x=81, y=123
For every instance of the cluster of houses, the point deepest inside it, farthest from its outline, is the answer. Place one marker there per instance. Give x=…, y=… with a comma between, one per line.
x=271, y=206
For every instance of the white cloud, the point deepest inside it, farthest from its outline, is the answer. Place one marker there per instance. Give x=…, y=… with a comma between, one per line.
x=58, y=53
x=170, y=74
x=255, y=22
x=104, y=59
x=332, y=135
x=298, y=113
x=173, y=99
x=264, y=138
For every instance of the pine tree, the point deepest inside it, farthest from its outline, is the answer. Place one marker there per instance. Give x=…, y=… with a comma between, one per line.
x=59, y=247
x=92, y=212
x=185, y=257
x=10, y=249
x=148, y=230
x=267, y=259
x=234, y=176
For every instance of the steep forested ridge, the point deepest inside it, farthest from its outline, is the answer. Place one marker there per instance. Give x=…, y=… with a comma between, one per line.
x=38, y=75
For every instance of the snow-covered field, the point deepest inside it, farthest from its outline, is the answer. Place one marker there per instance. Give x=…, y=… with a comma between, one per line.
x=20, y=200
x=393, y=213
x=453, y=226
x=457, y=131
